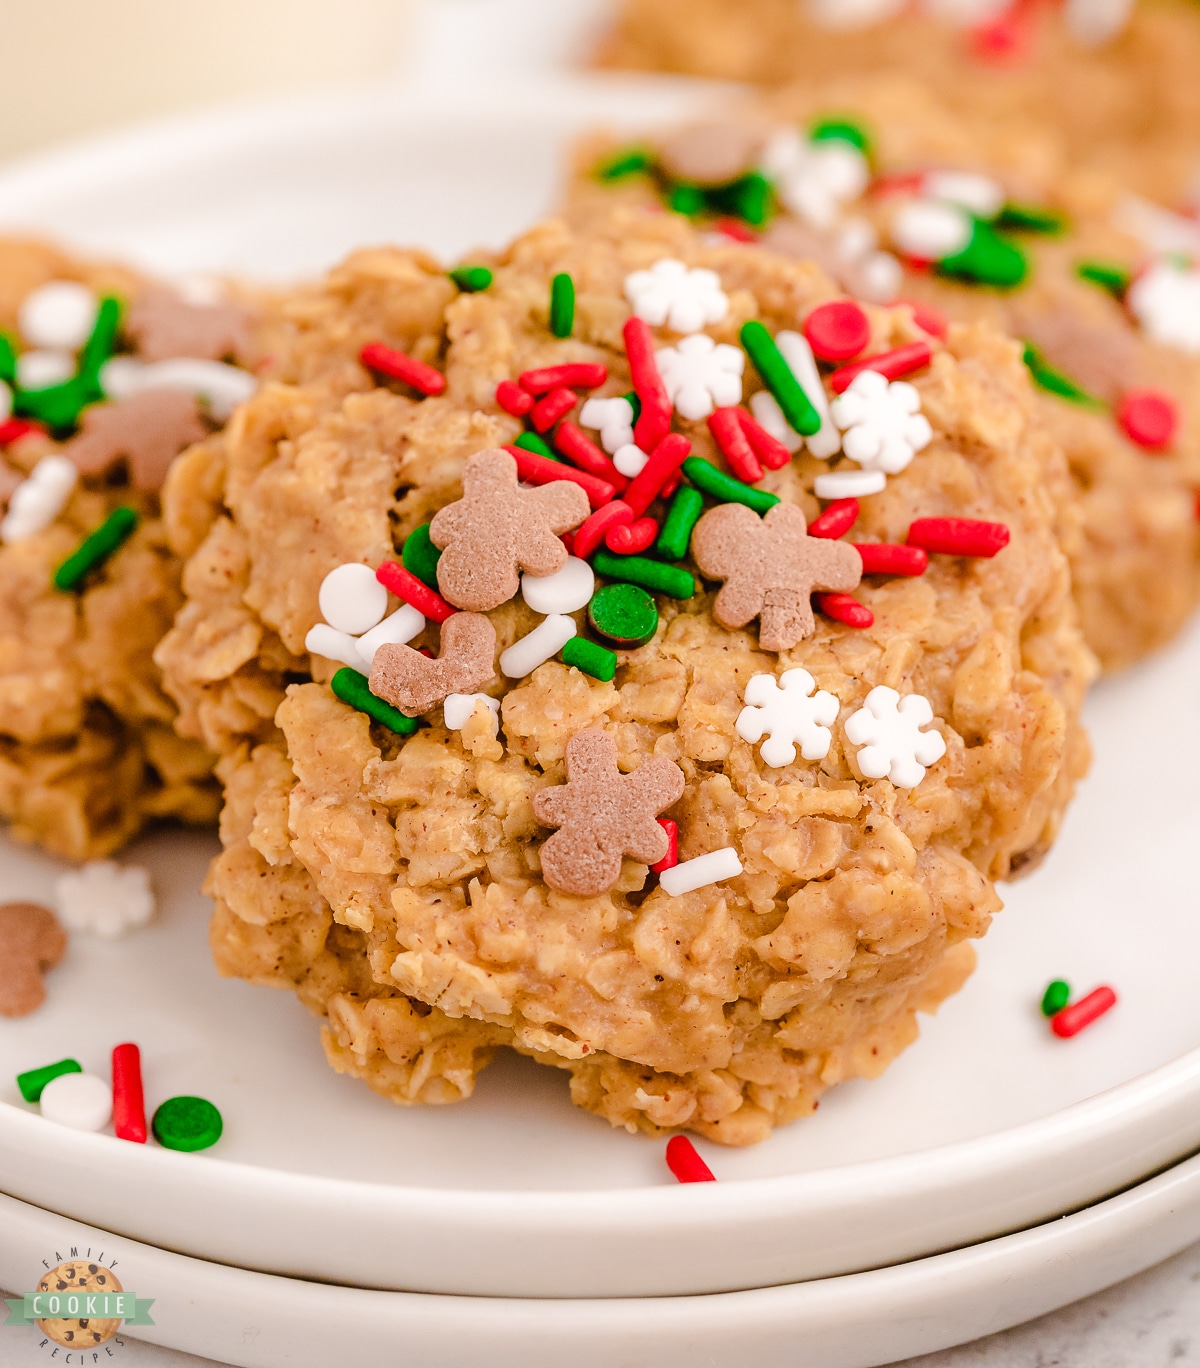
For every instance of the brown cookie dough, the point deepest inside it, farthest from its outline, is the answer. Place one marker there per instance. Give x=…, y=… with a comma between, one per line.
x=395, y=881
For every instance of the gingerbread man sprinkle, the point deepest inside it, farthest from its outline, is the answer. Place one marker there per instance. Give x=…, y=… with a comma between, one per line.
x=148, y=430
x=603, y=815
x=31, y=941
x=163, y=326
x=498, y=529
x=415, y=683
x=771, y=568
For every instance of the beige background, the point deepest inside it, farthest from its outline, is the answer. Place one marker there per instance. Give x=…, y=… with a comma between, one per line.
x=71, y=67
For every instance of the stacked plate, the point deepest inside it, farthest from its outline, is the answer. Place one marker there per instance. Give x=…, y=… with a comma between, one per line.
x=514, y=1229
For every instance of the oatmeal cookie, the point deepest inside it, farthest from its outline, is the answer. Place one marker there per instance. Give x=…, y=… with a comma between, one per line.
x=88, y=751
x=900, y=200
x=810, y=895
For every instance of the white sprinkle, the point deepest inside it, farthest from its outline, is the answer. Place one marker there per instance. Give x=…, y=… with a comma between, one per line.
x=397, y=629
x=105, y=898
x=323, y=640
x=59, y=315
x=535, y=648
x=219, y=386
x=888, y=728
x=769, y=415
x=5, y=402
x=980, y=194
x=700, y=872
x=794, y=349
x=40, y=369
x=930, y=230
x=629, y=460
x=565, y=591
x=788, y=712
x=673, y=295
x=79, y=1100
x=700, y=375
x=121, y=376
x=613, y=418
x=458, y=709
x=352, y=599
x=38, y=500
x=878, y=278
x=1096, y=21
x=849, y=484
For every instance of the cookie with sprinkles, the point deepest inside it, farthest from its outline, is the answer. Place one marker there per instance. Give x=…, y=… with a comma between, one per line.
x=581, y=849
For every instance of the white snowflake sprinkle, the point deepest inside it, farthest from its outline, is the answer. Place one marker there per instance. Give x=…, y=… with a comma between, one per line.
x=612, y=418
x=814, y=179
x=882, y=423
x=700, y=375
x=105, y=899
x=673, y=295
x=888, y=728
x=788, y=712
x=1165, y=300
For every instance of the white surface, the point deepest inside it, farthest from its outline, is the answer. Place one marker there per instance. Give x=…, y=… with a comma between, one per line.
x=252, y=1319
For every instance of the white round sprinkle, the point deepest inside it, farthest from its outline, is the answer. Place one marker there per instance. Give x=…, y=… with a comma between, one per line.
x=700, y=872
x=629, y=460
x=849, y=484
x=534, y=649
x=980, y=194
x=38, y=500
x=878, y=277
x=459, y=708
x=352, y=599
x=79, y=1100
x=931, y=231
x=61, y=314
x=40, y=369
x=327, y=641
x=565, y=591
x=396, y=629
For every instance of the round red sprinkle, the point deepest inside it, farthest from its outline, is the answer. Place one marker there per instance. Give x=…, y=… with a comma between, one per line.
x=685, y=1163
x=881, y=558
x=1071, y=1020
x=925, y=316
x=958, y=536
x=513, y=399
x=629, y=539
x=838, y=330
x=1149, y=418
x=837, y=519
x=844, y=609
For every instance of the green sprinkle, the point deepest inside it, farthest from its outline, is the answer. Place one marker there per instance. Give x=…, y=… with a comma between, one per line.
x=841, y=130
x=32, y=1083
x=421, y=557
x=590, y=657
x=672, y=580
x=987, y=259
x=635, y=403
x=1028, y=218
x=562, y=305
x=8, y=358
x=355, y=689
x=688, y=200
x=624, y=613
x=100, y=346
x=532, y=442
x=682, y=517
x=749, y=198
x=1056, y=997
x=93, y=551
x=704, y=475
x=58, y=406
x=1055, y=382
x=1107, y=274
x=472, y=279
x=187, y=1123
x=630, y=161
x=778, y=378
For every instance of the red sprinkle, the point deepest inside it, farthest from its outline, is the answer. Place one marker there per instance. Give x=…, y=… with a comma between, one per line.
x=16, y=428
x=958, y=536
x=656, y=474
x=513, y=399
x=629, y=539
x=539, y=470
x=409, y=588
x=881, y=558
x=845, y=609
x=547, y=411
x=685, y=1163
x=1071, y=1020
x=397, y=365
x=580, y=450
x=575, y=374
x=892, y=365
x=837, y=519
x=769, y=450
x=655, y=420
x=671, y=858
x=925, y=316
x=1003, y=39
x=1149, y=418
x=589, y=534
x=735, y=229
x=725, y=425
x=129, y=1107
x=838, y=330
x=901, y=183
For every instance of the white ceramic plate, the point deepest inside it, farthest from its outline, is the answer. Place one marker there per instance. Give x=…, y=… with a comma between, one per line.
x=858, y=1321
x=989, y=1125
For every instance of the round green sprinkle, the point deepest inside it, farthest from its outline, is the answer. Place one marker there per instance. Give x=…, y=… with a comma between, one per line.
x=421, y=557
x=1028, y=218
x=8, y=358
x=562, y=305
x=32, y=1083
x=778, y=378
x=749, y=198
x=672, y=580
x=841, y=130
x=1056, y=997
x=96, y=549
x=676, y=532
x=704, y=475
x=688, y=200
x=532, y=442
x=590, y=657
x=354, y=688
x=1055, y=382
x=623, y=613
x=187, y=1123
x=101, y=344
x=472, y=279
x=1108, y=275
x=988, y=259
x=630, y=161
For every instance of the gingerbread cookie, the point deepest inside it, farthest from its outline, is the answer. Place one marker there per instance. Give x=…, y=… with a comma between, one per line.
x=31, y=942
